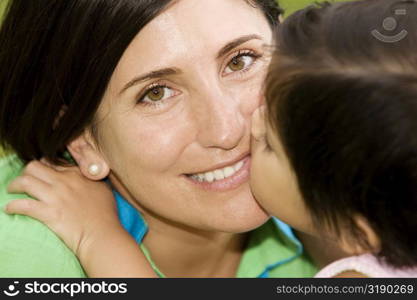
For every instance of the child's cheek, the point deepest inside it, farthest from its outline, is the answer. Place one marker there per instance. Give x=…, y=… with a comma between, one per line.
x=258, y=129
x=257, y=144
x=257, y=176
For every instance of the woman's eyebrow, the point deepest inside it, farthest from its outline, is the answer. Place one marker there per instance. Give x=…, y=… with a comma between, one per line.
x=150, y=75
x=236, y=42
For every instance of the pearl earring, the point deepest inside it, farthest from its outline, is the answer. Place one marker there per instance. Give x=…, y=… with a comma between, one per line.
x=94, y=169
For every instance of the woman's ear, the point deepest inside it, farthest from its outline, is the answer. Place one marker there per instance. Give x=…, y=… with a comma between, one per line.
x=89, y=159
x=351, y=244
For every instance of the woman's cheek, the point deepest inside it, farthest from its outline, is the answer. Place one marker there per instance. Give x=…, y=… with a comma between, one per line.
x=160, y=149
x=249, y=94
x=149, y=144
x=174, y=137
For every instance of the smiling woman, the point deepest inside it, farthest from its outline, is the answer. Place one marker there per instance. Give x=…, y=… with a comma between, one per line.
x=152, y=95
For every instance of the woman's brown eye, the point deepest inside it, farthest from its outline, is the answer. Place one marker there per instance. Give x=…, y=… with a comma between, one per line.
x=156, y=94
x=240, y=63
x=237, y=64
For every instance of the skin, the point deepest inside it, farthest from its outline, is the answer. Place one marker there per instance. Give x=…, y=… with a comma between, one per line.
x=79, y=210
x=204, y=120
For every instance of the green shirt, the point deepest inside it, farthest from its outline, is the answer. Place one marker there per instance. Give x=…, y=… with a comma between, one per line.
x=27, y=247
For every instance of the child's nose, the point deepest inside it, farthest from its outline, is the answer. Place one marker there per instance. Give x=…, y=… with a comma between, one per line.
x=258, y=123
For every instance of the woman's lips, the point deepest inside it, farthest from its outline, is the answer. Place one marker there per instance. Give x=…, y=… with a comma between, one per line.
x=233, y=181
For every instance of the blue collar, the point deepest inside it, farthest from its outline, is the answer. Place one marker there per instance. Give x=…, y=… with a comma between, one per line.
x=130, y=218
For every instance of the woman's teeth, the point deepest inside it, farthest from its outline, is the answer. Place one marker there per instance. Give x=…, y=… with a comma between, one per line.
x=218, y=174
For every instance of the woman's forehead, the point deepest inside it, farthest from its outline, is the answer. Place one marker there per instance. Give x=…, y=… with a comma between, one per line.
x=191, y=29
x=207, y=21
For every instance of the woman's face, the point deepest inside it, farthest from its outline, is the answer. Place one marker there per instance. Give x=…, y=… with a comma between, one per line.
x=174, y=125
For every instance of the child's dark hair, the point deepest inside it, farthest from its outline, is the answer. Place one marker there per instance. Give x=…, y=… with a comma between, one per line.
x=344, y=103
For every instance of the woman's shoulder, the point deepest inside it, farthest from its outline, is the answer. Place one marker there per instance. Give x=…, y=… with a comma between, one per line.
x=10, y=168
x=27, y=247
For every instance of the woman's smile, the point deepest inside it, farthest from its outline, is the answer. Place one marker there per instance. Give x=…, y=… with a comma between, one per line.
x=224, y=177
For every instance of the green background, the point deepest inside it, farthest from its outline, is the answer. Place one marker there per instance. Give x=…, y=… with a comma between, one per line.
x=292, y=5
x=2, y=6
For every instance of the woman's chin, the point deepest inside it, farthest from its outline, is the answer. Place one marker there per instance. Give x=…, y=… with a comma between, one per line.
x=242, y=227
x=246, y=227
x=241, y=215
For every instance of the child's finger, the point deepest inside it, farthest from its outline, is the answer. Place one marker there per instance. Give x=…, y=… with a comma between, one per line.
x=30, y=185
x=53, y=166
x=39, y=170
x=59, y=168
x=28, y=207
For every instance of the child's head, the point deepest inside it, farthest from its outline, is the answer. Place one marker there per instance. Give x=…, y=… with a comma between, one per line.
x=342, y=126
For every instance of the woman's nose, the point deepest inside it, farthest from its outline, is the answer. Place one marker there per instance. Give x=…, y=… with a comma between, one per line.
x=258, y=123
x=222, y=124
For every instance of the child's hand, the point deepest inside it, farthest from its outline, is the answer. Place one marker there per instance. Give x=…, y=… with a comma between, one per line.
x=77, y=209
x=84, y=215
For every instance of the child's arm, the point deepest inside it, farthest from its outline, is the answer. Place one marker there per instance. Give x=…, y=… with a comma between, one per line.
x=83, y=214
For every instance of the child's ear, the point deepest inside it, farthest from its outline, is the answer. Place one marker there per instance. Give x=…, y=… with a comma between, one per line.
x=89, y=159
x=351, y=245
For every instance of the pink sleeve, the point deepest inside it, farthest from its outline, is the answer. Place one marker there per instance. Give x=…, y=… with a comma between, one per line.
x=366, y=264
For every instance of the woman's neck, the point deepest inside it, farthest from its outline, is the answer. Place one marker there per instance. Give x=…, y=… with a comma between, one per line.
x=180, y=251
x=184, y=252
